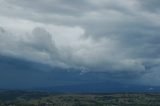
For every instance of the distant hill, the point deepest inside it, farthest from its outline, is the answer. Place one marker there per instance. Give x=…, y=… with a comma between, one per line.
x=105, y=87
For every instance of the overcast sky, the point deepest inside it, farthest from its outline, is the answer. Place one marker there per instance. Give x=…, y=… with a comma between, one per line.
x=120, y=38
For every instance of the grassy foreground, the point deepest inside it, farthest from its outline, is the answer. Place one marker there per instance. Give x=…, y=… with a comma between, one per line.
x=20, y=98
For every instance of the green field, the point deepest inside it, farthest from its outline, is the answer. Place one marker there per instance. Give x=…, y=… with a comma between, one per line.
x=21, y=98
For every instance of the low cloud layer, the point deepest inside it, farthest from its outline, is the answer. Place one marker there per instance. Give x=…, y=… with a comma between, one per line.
x=91, y=36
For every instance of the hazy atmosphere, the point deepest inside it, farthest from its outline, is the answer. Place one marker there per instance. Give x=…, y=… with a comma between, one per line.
x=45, y=43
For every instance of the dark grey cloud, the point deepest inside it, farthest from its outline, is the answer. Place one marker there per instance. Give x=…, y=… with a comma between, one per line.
x=150, y=5
x=20, y=73
x=61, y=7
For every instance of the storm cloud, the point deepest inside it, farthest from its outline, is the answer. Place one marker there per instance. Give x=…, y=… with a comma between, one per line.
x=117, y=37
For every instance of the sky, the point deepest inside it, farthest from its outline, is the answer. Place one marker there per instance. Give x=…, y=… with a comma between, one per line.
x=58, y=42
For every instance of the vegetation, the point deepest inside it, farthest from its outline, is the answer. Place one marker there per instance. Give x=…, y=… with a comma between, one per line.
x=20, y=98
